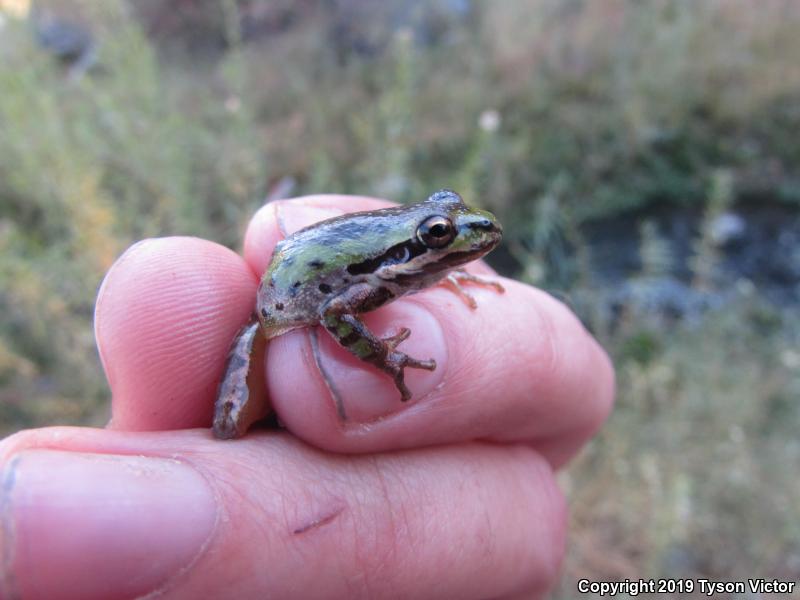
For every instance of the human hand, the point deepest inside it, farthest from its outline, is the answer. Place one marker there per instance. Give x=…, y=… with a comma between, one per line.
x=452, y=495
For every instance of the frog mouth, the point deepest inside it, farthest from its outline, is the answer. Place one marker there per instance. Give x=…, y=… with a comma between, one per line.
x=454, y=259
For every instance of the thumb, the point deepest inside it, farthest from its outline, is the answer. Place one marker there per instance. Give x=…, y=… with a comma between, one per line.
x=108, y=514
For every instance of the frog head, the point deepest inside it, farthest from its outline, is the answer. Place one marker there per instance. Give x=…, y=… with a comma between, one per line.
x=442, y=233
x=458, y=232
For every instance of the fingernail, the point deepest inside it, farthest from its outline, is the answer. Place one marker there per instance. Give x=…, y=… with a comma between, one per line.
x=98, y=525
x=361, y=392
x=296, y=215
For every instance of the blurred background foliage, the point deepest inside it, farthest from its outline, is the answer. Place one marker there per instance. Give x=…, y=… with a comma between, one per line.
x=643, y=157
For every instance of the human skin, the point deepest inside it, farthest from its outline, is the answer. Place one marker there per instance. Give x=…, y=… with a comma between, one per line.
x=452, y=495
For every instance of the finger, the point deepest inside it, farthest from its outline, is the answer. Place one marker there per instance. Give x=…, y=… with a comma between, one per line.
x=520, y=367
x=164, y=318
x=179, y=515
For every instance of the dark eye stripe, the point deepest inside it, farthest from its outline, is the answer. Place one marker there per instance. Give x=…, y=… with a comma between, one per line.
x=443, y=263
x=397, y=254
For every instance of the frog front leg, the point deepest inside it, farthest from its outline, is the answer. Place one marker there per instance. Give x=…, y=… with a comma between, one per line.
x=339, y=318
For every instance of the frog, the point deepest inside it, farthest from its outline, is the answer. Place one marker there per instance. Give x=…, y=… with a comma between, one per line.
x=329, y=273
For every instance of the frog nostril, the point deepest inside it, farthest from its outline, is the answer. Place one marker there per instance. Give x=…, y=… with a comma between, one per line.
x=484, y=224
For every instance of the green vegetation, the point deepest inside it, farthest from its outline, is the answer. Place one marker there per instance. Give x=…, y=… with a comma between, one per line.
x=694, y=475
x=552, y=113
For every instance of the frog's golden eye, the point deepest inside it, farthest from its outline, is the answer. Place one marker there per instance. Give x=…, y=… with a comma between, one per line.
x=436, y=232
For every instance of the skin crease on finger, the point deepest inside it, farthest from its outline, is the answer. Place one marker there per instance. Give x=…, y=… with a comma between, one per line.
x=465, y=521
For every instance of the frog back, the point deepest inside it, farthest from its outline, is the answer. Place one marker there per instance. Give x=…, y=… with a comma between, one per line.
x=315, y=263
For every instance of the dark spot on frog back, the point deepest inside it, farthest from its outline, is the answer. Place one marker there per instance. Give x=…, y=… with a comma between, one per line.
x=325, y=288
x=316, y=263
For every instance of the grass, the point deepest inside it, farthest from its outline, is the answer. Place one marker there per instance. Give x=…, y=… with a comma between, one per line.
x=553, y=114
x=691, y=476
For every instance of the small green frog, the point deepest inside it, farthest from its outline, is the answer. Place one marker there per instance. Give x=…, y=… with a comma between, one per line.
x=331, y=271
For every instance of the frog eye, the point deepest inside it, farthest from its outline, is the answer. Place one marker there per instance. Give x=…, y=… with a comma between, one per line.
x=436, y=232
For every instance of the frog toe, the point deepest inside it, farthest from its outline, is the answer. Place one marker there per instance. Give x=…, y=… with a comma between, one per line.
x=396, y=364
x=405, y=393
x=393, y=341
x=428, y=365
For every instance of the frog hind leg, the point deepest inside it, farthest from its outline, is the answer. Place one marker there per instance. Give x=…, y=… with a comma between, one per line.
x=346, y=328
x=242, y=394
x=456, y=278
